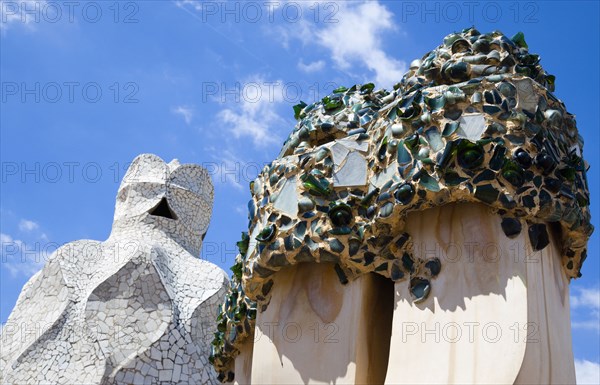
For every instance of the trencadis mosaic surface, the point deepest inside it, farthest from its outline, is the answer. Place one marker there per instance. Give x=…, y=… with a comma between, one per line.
x=474, y=120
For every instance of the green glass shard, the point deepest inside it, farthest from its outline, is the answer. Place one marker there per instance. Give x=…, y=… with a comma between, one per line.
x=298, y=109
x=243, y=243
x=429, y=182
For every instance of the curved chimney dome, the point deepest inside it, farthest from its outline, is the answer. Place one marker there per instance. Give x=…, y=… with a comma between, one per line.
x=474, y=120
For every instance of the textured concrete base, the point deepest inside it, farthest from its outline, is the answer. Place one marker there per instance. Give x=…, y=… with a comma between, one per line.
x=495, y=303
x=316, y=331
x=243, y=365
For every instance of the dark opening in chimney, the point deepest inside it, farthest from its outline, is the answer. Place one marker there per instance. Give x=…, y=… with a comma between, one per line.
x=162, y=209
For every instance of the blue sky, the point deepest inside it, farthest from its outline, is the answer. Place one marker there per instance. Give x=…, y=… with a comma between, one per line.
x=87, y=86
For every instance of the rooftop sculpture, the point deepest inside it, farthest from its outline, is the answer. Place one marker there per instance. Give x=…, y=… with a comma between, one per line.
x=474, y=120
x=136, y=308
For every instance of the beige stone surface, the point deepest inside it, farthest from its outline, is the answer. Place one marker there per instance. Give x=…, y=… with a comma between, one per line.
x=499, y=313
x=243, y=365
x=549, y=354
x=316, y=331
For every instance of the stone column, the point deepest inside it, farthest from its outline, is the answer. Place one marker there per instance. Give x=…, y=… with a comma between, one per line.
x=243, y=364
x=498, y=312
x=317, y=331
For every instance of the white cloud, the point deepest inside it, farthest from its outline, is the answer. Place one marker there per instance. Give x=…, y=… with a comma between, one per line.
x=228, y=168
x=356, y=37
x=183, y=3
x=255, y=114
x=186, y=112
x=27, y=225
x=586, y=298
x=21, y=258
x=586, y=325
x=24, y=12
x=5, y=238
x=195, y=4
x=311, y=67
x=286, y=33
x=585, y=308
x=353, y=38
x=25, y=256
x=587, y=372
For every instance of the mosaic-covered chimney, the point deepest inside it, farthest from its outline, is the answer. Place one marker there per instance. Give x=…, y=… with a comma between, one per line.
x=456, y=203
x=137, y=308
